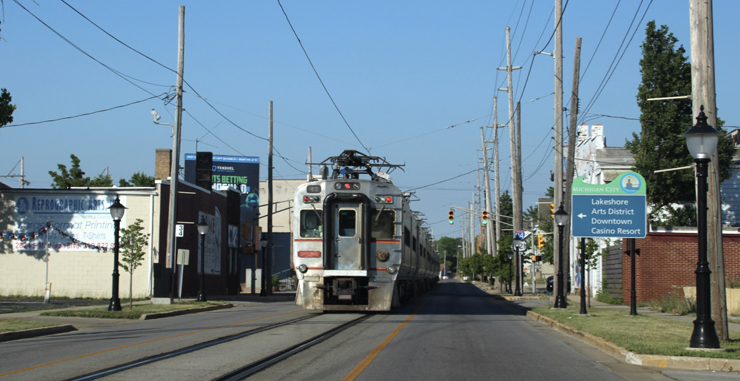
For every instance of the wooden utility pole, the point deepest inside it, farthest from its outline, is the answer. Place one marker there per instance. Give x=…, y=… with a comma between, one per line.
x=570, y=164
x=512, y=132
x=268, y=255
x=175, y=159
x=703, y=94
x=487, y=187
x=519, y=188
x=558, y=149
x=497, y=187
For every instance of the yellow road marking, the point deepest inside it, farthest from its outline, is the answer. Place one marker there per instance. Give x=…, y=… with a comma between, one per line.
x=140, y=343
x=364, y=363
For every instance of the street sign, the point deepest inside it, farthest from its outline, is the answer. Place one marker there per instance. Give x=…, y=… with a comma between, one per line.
x=617, y=209
x=520, y=234
x=179, y=230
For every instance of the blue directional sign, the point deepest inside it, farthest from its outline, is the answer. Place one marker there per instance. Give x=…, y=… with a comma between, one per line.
x=617, y=209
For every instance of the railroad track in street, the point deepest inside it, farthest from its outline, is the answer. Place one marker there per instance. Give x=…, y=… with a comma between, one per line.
x=242, y=371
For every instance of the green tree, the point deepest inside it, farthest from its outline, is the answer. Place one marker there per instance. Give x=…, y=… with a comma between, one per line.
x=132, y=250
x=6, y=108
x=452, y=247
x=138, y=179
x=666, y=72
x=75, y=177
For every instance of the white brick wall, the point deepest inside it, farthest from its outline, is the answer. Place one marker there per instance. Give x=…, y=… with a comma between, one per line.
x=84, y=273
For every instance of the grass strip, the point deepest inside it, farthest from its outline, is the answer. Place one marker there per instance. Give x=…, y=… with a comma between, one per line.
x=12, y=325
x=641, y=334
x=128, y=313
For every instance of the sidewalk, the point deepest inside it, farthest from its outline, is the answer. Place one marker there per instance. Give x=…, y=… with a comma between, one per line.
x=66, y=324
x=653, y=361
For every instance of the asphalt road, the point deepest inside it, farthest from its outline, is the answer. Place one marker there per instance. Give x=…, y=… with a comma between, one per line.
x=456, y=332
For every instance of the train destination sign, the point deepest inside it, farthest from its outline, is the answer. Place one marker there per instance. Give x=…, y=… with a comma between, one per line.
x=617, y=209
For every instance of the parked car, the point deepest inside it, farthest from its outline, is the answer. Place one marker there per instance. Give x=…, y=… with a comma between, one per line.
x=551, y=281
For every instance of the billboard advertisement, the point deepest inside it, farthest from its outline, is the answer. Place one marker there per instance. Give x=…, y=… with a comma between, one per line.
x=240, y=173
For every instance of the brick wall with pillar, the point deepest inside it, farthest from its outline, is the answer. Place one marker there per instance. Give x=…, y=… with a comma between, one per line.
x=667, y=262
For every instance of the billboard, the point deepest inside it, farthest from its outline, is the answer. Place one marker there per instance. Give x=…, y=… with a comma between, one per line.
x=240, y=173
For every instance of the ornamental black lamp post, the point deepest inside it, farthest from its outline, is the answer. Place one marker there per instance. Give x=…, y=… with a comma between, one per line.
x=583, y=277
x=561, y=218
x=518, y=245
x=701, y=140
x=116, y=211
x=510, y=255
x=202, y=230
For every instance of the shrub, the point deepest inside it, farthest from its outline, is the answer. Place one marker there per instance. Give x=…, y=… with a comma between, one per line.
x=674, y=303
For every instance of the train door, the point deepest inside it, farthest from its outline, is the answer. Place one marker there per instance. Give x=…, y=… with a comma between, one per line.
x=348, y=236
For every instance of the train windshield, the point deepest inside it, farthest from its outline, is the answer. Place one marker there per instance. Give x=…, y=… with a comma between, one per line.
x=311, y=224
x=347, y=224
x=383, y=224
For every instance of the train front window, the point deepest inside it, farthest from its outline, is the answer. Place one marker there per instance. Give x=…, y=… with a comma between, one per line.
x=347, y=223
x=383, y=224
x=311, y=225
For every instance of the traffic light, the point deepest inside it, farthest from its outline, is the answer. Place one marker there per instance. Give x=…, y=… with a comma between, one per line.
x=540, y=241
x=485, y=217
x=451, y=216
x=552, y=211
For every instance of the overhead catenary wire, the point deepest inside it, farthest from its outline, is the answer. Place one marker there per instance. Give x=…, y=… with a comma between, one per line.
x=321, y=81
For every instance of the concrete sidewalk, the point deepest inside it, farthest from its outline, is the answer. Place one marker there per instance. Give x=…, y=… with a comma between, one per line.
x=653, y=361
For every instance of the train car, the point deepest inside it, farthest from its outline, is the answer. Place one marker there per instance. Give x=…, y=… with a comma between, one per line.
x=357, y=245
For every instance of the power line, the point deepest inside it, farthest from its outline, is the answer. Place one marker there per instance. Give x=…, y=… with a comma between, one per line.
x=319, y=77
x=85, y=114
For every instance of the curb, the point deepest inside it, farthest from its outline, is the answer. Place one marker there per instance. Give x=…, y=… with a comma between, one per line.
x=655, y=361
x=184, y=312
x=28, y=333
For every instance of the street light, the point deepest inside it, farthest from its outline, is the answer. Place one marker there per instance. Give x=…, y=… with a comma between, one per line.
x=263, y=280
x=510, y=255
x=517, y=245
x=116, y=211
x=202, y=230
x=701, y=140
x=561, y=218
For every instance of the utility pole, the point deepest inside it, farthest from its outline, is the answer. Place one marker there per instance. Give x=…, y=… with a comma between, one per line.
x=570, y=165
x=175, y=170
x=268, y=255
x=703, y=93
x=497, y=190
x=518, y=204
x=558, y=149
x=487, y=186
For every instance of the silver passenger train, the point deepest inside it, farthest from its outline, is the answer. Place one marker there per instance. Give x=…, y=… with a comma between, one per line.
x=357, y=245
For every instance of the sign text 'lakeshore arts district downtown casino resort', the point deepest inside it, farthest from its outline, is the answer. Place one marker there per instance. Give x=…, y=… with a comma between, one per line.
x=617, y=209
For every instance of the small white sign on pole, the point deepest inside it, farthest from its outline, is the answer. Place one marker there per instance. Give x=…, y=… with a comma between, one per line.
x=180, y=230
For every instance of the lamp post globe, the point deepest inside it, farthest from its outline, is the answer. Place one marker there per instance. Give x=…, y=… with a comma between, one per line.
x=561, y=218
x=701, y=140
x=202, y=231
x=116, y=212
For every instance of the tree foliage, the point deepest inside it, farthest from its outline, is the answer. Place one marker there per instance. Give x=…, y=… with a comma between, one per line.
x=666, y=72
x=451, y=247
x=132, y=250
x=6, y=108
x=138, y=179
x=75, y=177
x=65, y=178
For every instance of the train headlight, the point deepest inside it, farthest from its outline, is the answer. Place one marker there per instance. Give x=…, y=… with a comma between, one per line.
x=391, y=269
x=302, y=268
x=382, y=255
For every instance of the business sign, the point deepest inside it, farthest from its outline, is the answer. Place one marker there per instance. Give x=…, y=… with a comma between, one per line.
x=617, y=209
x=240, y=173
x=63, y=222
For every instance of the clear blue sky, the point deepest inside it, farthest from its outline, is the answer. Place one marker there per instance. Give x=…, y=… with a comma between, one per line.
x=400, y=72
